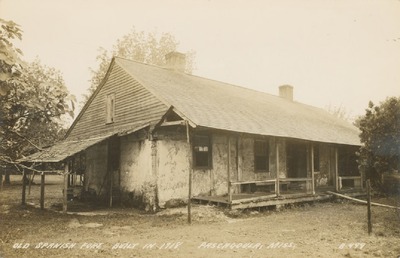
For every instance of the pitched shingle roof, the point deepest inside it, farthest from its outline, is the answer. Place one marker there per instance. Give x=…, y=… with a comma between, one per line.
x=218, y=105
x=62, y=150
x=65, y=149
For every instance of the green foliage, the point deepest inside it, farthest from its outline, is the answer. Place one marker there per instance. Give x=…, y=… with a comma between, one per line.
x=380, y=135
x=33, y=100
x=10, y=56
x=149, y=48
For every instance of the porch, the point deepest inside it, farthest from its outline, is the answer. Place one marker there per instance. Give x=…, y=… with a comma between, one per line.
x=258, y=200
x=301, y=172
x=277, y=192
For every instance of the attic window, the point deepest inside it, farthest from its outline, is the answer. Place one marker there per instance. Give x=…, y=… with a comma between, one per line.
x=261, y=156
x=202, y=151
x=110, y=108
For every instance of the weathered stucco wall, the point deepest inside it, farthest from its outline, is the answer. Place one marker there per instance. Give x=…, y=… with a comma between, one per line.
x=246, y=153
x=219, y=172
x=138, y=183
x=282, y=157
x=96, y=168
x=156, y=172
x=173, y=170
x=202, y=182
x=241, y=163
x=214, y=181
x=173, y=155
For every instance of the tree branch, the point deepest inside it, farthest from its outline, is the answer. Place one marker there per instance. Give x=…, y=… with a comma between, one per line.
x=17, y=165
x=26, y=139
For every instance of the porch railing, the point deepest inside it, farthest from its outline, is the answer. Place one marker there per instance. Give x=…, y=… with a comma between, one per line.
x=357, y=181
x=276, y=182
x=289, y=180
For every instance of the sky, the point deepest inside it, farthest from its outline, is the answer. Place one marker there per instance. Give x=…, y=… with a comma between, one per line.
x=338, y=54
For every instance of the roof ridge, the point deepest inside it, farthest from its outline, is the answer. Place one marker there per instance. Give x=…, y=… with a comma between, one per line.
x=197, y=76
x=222, y=82
x=214, y=104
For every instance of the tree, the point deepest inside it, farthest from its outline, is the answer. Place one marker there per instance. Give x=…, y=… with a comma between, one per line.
x=380, y=136
x=143, y=47
x=10, y=56
x=33, y=100
x=339, y=112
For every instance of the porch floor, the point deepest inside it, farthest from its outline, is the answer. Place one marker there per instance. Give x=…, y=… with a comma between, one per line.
x=263, y=199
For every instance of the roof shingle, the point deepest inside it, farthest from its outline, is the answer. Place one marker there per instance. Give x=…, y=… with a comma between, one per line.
x=218, y=105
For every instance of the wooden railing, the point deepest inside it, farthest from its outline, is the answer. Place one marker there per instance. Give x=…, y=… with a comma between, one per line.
x=268, y=181
x=288, y=180
x=356, y=179
x=277, y=182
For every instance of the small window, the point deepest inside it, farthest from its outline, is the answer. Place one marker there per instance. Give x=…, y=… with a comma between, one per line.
x=110, y=108
x=261, y=156
x=202, y=151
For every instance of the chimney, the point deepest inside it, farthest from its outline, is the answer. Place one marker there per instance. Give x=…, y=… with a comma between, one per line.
x=286, y=92
x=175, y=61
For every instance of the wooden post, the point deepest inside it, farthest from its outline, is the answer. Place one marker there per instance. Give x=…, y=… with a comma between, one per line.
x=336, y=170
x=277, y=191
x=1, y=179
x=23, y=187
x=111, y=188
x=65, y=199
x=362, y=181
x=312, y=169
x=74, y=178
x=369, y=207
x=229, y=172
x=190, y=157
x=119, y=185
x=30, y=182
x=239, y=157
x=42, y=192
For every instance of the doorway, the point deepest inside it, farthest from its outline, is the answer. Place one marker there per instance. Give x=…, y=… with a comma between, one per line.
x=113, y=169
x=296, y=153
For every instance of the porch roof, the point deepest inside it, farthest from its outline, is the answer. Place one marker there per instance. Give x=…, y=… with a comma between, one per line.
x=67, y=148
x=62, y=150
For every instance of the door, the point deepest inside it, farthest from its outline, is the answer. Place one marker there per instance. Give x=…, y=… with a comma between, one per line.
x=113, y=168
x=296, y=159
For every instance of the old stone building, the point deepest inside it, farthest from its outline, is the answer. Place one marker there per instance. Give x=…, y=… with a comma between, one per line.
x=152, y=136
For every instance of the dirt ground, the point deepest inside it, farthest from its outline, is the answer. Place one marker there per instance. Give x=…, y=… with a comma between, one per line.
x=330, y=229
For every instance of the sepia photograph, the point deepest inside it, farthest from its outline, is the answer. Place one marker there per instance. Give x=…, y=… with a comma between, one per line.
x=199, y=128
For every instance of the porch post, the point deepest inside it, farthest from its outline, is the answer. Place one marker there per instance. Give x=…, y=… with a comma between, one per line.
x=42, y=191
x=1, y=179
x=277, y=191
x=239, y=157
x=312, y=169
x=23, y=202
x=111, y=189
x=229, y=172
x=369, y=207
x=362, y=180
x=30, y=182
x=65, y=192
x=239, y=161
x=190, y=161
x=336, y=170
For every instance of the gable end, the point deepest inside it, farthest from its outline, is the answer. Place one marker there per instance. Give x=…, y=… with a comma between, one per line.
x=132, y=104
